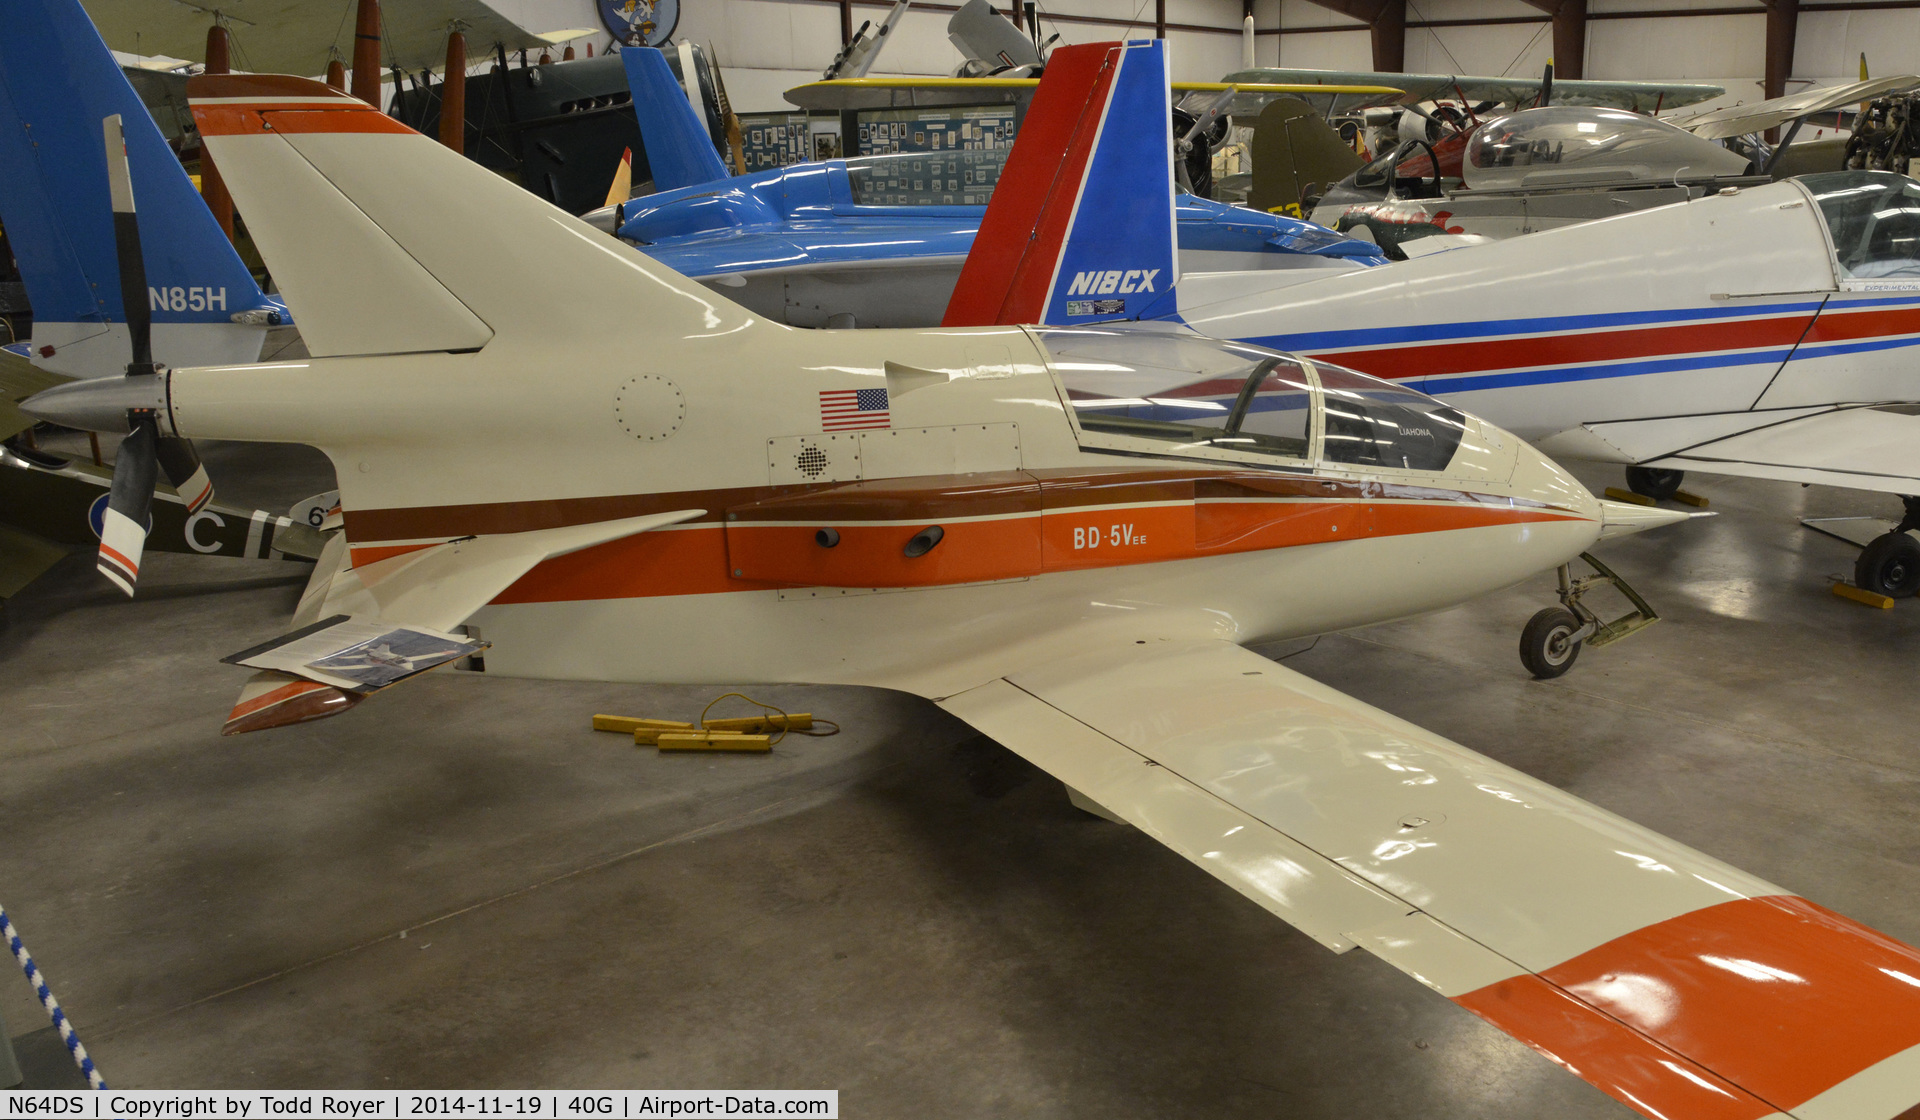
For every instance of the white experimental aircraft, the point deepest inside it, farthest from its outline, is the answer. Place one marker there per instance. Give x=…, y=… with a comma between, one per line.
x=927, y=510
x=1767, y=332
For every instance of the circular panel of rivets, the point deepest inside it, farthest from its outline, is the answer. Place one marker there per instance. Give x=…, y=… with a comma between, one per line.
x=649, y=407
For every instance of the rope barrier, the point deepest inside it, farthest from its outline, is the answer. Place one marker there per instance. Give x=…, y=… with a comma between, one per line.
x=52, y=1005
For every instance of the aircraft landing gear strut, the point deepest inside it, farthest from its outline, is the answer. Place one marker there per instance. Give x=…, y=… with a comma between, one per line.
x=1552, y=638
x=1890, y=563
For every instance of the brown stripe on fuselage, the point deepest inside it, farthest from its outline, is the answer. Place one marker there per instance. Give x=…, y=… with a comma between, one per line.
x=931, y=497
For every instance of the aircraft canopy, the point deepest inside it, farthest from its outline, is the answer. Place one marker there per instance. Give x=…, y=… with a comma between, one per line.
x=1182, y=394
x=1564, y=145
x=1874, y=220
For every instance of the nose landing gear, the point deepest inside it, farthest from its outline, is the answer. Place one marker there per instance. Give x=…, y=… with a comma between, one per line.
x=1552, y=638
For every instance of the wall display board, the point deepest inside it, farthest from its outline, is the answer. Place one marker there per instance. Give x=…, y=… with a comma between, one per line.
x=778, y=139
x=922, y=157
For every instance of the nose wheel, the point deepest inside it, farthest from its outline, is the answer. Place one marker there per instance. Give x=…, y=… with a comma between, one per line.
x=1551, y=640
x=1550, y=643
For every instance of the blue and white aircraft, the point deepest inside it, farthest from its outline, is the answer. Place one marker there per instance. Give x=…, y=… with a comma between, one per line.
x=878, y=241
x=57, y=83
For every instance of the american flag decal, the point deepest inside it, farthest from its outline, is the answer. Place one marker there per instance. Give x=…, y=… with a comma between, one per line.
x=844, y=410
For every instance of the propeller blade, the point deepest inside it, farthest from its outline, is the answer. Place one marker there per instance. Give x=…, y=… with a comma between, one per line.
x=183, y=468
x=123, y=530
x=1546, y=85
x=126, y=243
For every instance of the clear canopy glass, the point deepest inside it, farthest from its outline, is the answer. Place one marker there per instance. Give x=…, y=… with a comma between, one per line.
x=1874, y=220
x=1207, y=397
x=1573, y=144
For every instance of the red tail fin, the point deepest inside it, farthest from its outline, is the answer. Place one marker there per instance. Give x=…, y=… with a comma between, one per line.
x=1011, y=266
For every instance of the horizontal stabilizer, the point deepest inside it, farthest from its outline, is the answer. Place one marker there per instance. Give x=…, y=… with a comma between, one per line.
x=271, y=699
x=1570, y=928
x=439, y=587
x=360, y=656
x=391, y=619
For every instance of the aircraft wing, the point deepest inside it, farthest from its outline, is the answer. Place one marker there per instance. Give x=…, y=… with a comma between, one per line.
x=1641, y=97
x=900, y=93
x=1863, y=447
x=904, y=93
x=1675, y=983
x=164, y=92
x=293, y=36
x=1739, y=120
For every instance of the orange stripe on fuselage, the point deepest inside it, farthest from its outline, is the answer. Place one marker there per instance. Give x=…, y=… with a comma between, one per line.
x=1778, y=996
x=695, y=560
x=374, y=553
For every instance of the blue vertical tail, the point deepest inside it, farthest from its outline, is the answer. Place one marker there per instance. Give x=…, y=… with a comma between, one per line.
x=679, y=151
x=57, y=81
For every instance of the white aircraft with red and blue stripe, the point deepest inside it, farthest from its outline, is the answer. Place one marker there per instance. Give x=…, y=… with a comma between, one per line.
x=1768, y=332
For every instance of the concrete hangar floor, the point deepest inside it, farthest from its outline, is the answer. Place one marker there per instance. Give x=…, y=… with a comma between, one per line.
x=905, y=912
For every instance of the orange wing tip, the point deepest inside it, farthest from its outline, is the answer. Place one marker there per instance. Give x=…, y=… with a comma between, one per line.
x=268, y=90
x=253, y=104
x=271, y=699
x=1781, y=999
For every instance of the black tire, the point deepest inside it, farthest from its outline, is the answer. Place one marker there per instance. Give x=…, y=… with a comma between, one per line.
x=1889, y=565
x=1544, y=648
x=1654, y=483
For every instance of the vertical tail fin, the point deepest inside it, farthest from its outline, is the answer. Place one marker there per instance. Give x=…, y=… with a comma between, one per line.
x=679, y=151
x=389, y=243
x=57, y=83
x=1082, y=224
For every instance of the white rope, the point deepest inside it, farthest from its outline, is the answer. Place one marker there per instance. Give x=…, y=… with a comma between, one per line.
x=52, y=1005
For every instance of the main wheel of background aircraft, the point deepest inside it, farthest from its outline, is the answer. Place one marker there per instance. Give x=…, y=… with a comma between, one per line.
x=1889, y=565
x=1546, y=645
x=1652, y=482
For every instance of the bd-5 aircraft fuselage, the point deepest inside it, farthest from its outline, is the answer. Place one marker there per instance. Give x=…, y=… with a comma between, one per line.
x=1063, y=488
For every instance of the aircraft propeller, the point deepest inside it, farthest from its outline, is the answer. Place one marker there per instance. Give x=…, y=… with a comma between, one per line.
x=146, y=452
